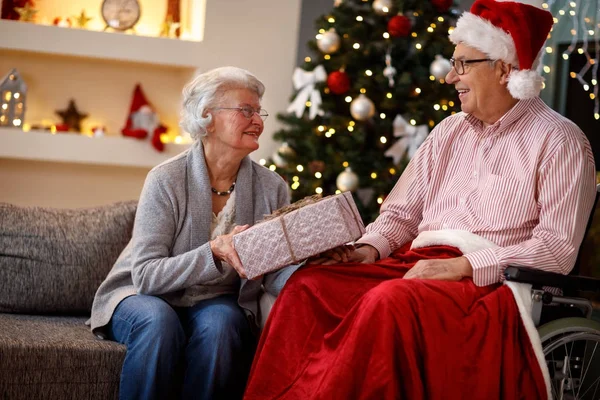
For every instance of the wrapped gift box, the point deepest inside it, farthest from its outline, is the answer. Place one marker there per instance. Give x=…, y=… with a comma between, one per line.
x=299, y=234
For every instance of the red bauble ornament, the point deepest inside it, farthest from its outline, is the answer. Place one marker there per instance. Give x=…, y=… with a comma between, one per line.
x=338, y=82
x=399, y=26
x=442, y=5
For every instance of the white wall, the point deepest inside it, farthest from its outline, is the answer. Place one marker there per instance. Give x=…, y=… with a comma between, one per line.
x=259, y=35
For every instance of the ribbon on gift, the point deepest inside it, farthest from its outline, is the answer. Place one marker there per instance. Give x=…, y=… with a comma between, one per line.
x=304, y=82
x=410, y=136
x=349, y=210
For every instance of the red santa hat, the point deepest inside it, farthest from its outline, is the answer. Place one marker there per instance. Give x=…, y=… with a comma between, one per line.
x=140, y=103
x=508, y=31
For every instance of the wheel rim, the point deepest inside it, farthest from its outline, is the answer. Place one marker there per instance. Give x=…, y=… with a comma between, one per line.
x=573, y=361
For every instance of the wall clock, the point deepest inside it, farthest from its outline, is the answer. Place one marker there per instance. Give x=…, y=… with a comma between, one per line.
x=121, y=14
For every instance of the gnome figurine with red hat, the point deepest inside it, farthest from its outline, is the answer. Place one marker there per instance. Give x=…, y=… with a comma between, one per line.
x=143, y=120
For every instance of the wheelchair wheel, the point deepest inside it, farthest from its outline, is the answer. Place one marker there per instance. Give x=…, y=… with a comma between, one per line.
x=572, y=350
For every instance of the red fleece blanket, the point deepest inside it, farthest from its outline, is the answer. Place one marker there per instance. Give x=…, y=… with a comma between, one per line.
x=359, y=331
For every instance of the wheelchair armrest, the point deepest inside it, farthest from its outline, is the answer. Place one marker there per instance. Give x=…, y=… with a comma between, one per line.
x=539, y=278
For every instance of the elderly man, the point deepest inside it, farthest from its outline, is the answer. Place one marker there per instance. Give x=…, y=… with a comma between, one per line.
x=416, y=309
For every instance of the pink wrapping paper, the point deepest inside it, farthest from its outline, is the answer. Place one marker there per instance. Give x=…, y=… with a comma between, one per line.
x=300, y=234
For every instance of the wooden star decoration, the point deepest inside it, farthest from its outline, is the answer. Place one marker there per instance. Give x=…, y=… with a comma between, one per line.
x=26, y=13
x=82, y=19
x=72, y=117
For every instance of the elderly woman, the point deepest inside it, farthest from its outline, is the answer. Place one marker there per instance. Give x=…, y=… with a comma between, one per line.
x=177, y=296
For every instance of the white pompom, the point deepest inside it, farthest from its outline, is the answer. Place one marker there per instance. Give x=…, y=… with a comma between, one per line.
x=525, y=84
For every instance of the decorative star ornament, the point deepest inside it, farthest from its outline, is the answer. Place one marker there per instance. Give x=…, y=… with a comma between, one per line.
x=26, y=13
x=82, y=20
x=72, y=117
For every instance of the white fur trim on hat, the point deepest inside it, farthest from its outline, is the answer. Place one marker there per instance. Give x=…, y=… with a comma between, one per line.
x=525, y=84
x=482, y=35
x=465, y=241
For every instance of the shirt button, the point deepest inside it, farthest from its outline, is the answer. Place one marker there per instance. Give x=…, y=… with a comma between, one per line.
x=475, y=174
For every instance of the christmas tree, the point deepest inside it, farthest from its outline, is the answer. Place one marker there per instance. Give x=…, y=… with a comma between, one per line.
x=367, y=98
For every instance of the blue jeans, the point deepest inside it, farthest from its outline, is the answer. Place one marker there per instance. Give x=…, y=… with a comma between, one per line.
x=200, y=352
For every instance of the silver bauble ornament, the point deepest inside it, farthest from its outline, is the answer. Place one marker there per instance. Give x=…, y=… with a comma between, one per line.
x=329, y=42
x=347, y=181
x=440, y=67
x=362, y=108
x=382, y=7
x=282, y=154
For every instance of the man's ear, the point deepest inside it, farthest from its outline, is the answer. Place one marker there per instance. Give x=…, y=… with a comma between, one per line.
x=504, y=70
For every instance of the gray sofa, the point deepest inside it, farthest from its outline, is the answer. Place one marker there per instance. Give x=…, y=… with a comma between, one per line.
x=51, y=263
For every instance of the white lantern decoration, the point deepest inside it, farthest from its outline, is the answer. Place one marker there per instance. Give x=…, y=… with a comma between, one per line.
x=13, y=94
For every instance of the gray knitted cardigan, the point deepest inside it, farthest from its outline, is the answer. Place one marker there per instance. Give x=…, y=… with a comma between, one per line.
x=169, y=249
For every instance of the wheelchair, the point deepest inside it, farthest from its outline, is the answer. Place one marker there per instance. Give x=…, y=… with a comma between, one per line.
x=570, y=337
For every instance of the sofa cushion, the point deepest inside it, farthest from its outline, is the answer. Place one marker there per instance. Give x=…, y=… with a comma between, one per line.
x=53, y=260
x=50, y=357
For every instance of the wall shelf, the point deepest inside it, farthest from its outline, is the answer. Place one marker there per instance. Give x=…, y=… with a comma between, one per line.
x=47, y=39
x=80, y=149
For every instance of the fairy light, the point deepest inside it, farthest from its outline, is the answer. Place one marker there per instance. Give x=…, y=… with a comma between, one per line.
x=308, y=104
x=388, y=95
x=348, y=99
x=331, y=20
x=321, y=30
x=319, y=36
x=379, y=200
x=327, y=56
x=413, y=122
x=359, y=18
x=441, y=19
x=350, y=129
x=300, y=168
x=386, y=35
x=383, y=139
x=373, y=175
x=295, y=179
x=436, y=107
x=368, y=72
x=262, y=161
x=356, y=46
x=345, y=164
x=307, y=59
x=392, y=171
x=382, y=115
x=272, y=167
x=295, y=185
x=418, y=46
x=318, y=175
x=319, y=190
x=418, y=90
x=338, y=191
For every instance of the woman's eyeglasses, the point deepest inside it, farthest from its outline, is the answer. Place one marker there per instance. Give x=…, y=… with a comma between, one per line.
x=247, y=112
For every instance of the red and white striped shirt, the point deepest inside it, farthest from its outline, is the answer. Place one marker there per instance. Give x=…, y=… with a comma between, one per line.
x=525, y=183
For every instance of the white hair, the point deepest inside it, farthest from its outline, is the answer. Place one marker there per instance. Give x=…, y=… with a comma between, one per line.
x=204, y=92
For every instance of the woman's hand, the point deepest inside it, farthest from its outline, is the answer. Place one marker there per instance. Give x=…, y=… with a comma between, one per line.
x=222, y=249
x=365, y=254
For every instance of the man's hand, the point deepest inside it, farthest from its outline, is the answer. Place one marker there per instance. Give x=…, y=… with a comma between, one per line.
x=451, y=269
x=365, y=254
x=222, y=249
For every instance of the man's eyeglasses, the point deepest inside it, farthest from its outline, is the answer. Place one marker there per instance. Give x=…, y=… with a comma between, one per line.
x=459, y=65
x=247, y=112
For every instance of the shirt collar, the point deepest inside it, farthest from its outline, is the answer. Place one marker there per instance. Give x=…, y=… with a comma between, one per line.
x=512, y=115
